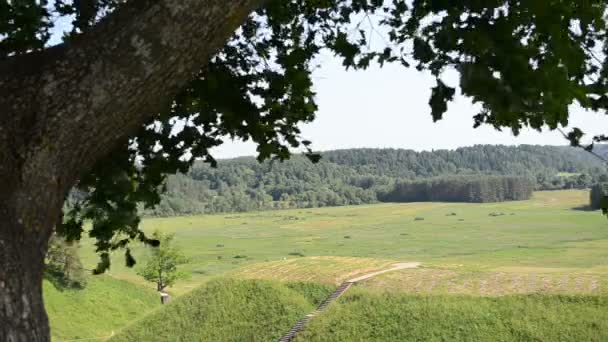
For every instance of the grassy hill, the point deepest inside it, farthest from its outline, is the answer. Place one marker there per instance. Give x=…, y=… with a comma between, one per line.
x=362, y=315
x=229, y=310
x=103, y=306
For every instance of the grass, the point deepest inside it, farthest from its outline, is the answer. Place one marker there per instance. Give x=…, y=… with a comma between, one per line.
x=324, y=270
x=539, y=260
x=492, y=283
x=229, y=310
x=362, y=315
x=544, y=232
x=103, y=306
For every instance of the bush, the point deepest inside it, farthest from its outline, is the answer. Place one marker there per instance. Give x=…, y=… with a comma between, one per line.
x=62, y=264
x=599, y=196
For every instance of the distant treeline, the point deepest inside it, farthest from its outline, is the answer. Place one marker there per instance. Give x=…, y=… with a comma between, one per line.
x=479, y=189
x=359, y=176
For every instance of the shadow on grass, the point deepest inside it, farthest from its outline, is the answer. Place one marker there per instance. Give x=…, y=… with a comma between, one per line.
x=584, y=208
x=61, y=283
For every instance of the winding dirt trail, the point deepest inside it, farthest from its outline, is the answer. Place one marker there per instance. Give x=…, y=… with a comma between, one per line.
x=396, y=267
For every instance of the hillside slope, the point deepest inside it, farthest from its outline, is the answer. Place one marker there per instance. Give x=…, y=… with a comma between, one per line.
x=229, y=310
x=104, y=305
x=365, y=316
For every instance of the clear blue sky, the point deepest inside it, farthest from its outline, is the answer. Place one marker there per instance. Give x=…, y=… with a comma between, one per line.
x=388, y=107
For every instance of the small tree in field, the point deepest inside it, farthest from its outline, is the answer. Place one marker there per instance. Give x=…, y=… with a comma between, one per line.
x=162, y=266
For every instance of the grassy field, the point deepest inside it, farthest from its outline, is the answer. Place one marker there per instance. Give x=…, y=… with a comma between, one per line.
x=543, y=237
x=479, y=262
x=103, y=306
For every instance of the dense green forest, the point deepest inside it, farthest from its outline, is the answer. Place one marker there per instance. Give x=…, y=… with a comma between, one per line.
x=358, y=176
x=478, y=189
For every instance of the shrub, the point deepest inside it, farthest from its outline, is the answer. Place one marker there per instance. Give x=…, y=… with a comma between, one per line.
x=599, y=196
x=62, y=264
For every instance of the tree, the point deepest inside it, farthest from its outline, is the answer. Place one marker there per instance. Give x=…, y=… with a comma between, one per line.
x=62, y=263
x=97, y=112
x=161, y=266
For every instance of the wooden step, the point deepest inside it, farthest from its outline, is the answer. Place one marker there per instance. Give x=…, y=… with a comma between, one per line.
x=291, y=334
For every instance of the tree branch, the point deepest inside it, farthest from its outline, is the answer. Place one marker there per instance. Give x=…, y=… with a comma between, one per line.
x=67, y=106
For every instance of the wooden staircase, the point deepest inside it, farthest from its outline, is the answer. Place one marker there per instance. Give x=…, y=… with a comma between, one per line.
x=291, y=334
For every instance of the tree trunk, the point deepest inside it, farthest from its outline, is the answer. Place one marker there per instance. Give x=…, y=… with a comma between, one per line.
x=65, y=108
x=22, y=251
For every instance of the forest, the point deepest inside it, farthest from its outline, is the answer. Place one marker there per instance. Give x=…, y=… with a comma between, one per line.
x=476, y=189
x=359, y=176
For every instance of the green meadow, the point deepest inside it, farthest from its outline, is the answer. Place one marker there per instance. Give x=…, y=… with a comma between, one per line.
x=546, y=254
x=544, y=235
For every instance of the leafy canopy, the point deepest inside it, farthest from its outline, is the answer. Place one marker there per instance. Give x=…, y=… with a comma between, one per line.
x=525, y=62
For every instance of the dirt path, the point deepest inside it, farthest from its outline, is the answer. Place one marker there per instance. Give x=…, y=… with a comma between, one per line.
x=291, y=334
x=396, y=267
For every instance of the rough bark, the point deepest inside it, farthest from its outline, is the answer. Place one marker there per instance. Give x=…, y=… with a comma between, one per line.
x=64, y=108
x=22, y=314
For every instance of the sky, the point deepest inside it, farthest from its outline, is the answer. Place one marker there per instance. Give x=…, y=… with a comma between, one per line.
x=388, y=107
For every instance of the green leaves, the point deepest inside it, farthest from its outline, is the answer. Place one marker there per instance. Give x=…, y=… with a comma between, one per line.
x=599, y=197
x=574, y=136
x=440, y=96
x=24, y=27
x=162, y=265
x=423, y=51
x=345, y=49
x=62, y=264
